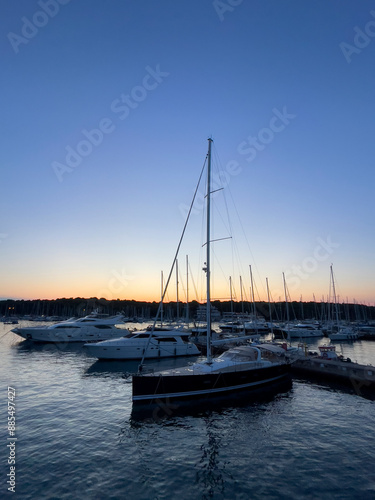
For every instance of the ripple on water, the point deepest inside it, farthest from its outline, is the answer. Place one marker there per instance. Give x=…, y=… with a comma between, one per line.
x=78, y=438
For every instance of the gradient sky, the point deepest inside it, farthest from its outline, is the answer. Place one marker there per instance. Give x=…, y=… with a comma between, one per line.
x=285, y=89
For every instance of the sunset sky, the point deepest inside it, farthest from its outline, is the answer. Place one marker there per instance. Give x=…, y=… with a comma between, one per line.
x=106, y=111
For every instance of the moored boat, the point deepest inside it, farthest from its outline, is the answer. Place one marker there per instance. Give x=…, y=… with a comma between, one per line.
x=147, y=344
x=366, y=332
x=341, y=332
x=344, y=334
x=303, y=330
x=94, y=327
x=238, y=370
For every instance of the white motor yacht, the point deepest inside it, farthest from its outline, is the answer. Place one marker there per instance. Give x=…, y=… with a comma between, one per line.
x=147, y=344
x=344, y=334
x=94, y=327
x=303, y=330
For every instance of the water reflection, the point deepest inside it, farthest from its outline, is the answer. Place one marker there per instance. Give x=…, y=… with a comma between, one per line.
x=350, y=387
x=30, y=347
x=211, y=474
x=209, y=431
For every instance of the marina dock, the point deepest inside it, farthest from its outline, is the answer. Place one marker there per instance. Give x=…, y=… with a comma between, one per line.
x=328, y=367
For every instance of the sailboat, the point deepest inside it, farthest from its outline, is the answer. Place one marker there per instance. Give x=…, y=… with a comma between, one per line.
x=343, y=332
x=238, y=370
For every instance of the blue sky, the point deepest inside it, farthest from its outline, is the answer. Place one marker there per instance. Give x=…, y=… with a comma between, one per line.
x=107, y=107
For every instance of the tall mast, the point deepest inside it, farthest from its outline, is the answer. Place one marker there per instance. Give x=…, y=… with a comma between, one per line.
x=231, y=297
x=334, y=297
x=177, y=298
x=252, y=292
x=161, y=302
x=208, y=240
x=269, y=308
x=242, y=305
x=231, y=302
x=187, y=291
x=287, y=307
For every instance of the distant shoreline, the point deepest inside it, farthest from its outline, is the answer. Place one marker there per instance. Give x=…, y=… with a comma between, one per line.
x=131, y=308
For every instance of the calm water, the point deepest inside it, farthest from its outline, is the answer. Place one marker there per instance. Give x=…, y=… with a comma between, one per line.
x=77, y=436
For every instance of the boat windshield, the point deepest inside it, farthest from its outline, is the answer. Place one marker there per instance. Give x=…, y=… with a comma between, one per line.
x=248, y=355
x=141, y=335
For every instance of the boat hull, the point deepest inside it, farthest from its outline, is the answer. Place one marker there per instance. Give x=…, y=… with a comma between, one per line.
x=344, y=336
x=135, y=352
x=49, y=335
x=305, y=334
x=149, y=389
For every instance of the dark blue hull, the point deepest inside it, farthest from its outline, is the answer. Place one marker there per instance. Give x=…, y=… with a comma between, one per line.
x=148, y=389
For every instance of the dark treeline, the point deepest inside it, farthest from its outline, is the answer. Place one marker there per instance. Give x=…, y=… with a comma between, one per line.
x=69, y=307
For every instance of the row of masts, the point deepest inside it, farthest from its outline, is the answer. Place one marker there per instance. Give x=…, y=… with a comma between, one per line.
x=329, y=311
x=207, y=270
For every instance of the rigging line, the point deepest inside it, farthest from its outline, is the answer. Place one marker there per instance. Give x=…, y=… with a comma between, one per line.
x=245, y=236
x=194, y=286
x=6, y=333
x=222, y=187
x=219, y=239
x=173, y=264
x=290, y=302
x=273, y=306
x=226, y=221
x=257, y=291
x=228, y=224
x=181, y=278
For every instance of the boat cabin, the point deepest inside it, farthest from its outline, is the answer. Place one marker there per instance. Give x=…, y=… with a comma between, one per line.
x=239, y=354
x=327, y=352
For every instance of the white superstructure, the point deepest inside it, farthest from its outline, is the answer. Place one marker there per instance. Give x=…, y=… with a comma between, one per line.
x=152, y=343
